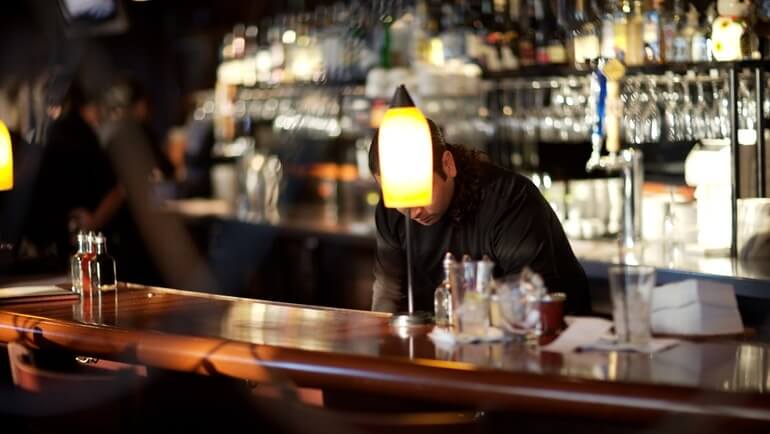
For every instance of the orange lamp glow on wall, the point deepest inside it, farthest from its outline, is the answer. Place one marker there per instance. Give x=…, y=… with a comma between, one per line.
x=406, y=154
x=6, y=159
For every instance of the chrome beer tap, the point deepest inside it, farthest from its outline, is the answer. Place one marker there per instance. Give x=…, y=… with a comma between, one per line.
x=606, y=133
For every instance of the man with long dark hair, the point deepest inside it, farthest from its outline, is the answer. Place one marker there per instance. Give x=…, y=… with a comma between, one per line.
x=478, y=209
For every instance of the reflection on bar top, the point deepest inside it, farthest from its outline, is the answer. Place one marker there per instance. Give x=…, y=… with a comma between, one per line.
x=655, y=254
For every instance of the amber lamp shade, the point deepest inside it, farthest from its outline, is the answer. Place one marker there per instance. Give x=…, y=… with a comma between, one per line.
x=406, y=155
x=6, y=159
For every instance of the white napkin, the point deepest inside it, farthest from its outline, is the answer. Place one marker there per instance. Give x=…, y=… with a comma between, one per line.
x=610, y=343
x=587, y=333
x=446, y=336
x=581, y=331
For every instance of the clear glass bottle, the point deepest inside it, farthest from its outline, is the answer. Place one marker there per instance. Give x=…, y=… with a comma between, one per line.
x=103, y=277
x=608, y=31
x=678, y=35
x=652, y=33
x=442, y=298
x=76, y=262
x=85, y=265
x=620, y=28
x=699, y=47
x=635, y=38
x=586, y=44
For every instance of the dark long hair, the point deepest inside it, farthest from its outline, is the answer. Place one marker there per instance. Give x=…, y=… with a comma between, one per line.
x=469, y=171
x=467, y=194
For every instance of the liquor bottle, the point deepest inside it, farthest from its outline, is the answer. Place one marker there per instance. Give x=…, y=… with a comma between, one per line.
x=675, y=38
x=528, y=22
x=635, y=37
x=608, y=31
x=620, y=29
x=762, y=29
x=652, y=33
x=711, y=15
x=484, y=275
x=699, y=48
x=585, y=44
x=102, y=266
x=278, y=53
x=541, y=27
x=512, y=32
x=506, y=33
x=76, y=262
x=452, y=34
x=442, y=299
x=555, y=24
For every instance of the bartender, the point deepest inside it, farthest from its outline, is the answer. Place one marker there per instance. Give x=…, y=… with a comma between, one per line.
x=477, y=209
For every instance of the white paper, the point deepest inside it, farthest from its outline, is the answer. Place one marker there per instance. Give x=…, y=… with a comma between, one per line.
x=581, y=331
x=611, y=344
x=445, y=336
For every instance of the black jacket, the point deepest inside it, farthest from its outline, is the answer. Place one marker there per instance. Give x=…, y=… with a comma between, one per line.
x=512, y=224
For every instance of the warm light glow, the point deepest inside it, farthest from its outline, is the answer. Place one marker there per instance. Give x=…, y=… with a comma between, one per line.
x=406, y=158
x=436, y=54
x=289, y=37
x=6, y=159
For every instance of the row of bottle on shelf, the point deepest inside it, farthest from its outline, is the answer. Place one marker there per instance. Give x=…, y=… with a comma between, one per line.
x=344, y=41
x=92, y=269
x=657, y=108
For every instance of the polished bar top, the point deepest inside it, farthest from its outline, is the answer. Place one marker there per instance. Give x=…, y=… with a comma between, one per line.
x=358, y=350
x=754, y=273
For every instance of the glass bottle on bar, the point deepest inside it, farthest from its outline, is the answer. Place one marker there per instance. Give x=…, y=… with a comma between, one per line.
x=85, y=265
x=442, y=298
x=620, y=29
x=652, y=33
x=677, y=46
x=102, y=265
x=585, y=39
x=608, y=31
x=635, y=36
x=556, y=20
x=77, y=262
x=699, y=48
x=528, y=23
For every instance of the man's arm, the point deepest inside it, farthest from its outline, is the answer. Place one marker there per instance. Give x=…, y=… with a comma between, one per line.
x=389, y=267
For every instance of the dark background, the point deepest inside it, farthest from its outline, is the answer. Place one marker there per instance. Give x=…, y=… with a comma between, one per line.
x=170, y=46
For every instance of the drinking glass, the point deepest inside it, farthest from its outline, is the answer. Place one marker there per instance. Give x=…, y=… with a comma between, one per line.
x=630, y=290
x=674, y=131
x=651, y=117
x=699, y=114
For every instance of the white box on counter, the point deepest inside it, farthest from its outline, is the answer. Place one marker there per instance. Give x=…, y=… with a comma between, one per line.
x=695, y=307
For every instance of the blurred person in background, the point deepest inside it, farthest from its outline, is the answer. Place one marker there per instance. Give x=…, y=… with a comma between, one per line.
x=76, y=188
x=144, y=170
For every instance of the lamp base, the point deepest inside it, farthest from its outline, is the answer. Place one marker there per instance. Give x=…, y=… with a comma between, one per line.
x=413, y=319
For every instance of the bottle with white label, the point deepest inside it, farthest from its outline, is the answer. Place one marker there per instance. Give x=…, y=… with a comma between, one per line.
x=652, y=32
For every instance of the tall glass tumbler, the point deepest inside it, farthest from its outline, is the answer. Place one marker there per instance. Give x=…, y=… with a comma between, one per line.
x=631, y=290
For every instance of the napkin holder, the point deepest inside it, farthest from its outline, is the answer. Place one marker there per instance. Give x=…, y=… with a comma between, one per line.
x=695, y=307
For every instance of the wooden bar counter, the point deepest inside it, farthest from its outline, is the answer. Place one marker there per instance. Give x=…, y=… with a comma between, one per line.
x=358, y=351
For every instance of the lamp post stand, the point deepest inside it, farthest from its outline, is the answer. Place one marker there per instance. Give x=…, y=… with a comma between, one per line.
x=410, y=318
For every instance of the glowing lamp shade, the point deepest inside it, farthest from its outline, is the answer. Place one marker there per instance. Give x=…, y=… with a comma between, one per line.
x=6, y=159
x=406, y=158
